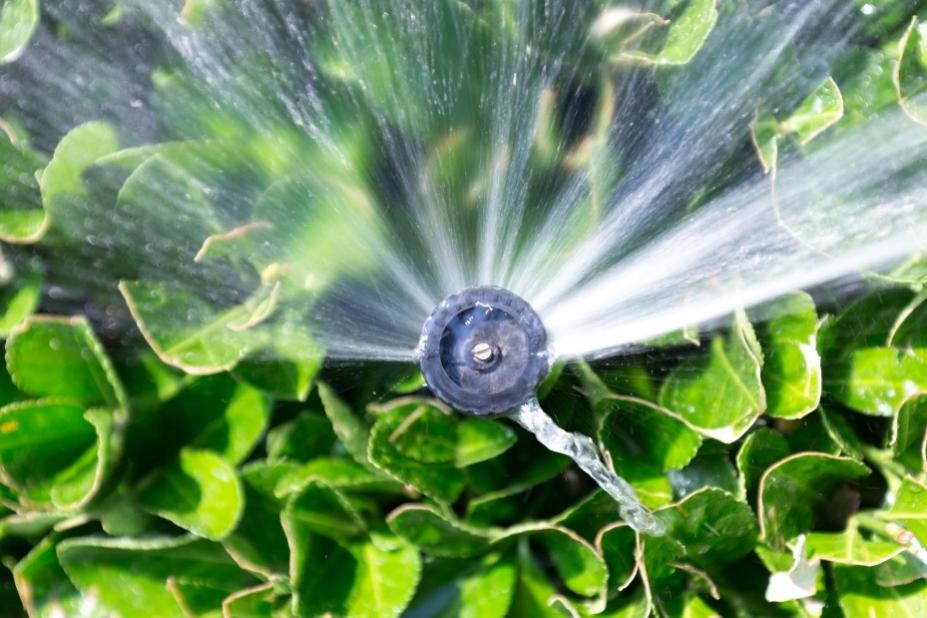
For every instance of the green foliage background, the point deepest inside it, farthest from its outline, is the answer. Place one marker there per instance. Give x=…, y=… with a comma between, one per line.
x=207, y=465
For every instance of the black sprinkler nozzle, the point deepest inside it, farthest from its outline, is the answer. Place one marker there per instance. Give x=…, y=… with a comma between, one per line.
x=483, y=351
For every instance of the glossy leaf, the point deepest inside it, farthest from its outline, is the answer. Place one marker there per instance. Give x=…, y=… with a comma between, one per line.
x=860, y=595
x=760, y=450
x=685, y=36
x=719, y=396
x=123, y=575
x=908, y=438
x=910, y=74
x=200, y=492
x=436, y=533
x=61, y=357
x=791, y=490
x=18, y=20
x=441, y=480
x=791, y=363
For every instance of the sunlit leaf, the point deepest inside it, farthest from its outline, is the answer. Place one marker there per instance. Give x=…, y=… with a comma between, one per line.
x=122, y=575
x=910, y=74
x=18, y=20
x=719, y=396
x=200, y=492
x=791, y=363
x=792, y=490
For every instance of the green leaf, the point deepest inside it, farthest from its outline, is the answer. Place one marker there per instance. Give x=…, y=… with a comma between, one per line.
x=46, y=446
x=199, y=492
x=230, y=419
x=860, y=595
x=764, y=132
x=362, y=579
x=64, y=194
x=908, y=439
x=719, y=396
x=60, y=357
x=793, y=489
x=435, y=533
x=44, y=588
x=910, y=508
x=819, y=111
x=304, y=438
x=126, y=574
x=317, y=509
x=19, y=298
x=910, y=74
x=438, y=479
x=479, y=439
x=617, y=543
x=351, y=430
x=22, y=218
x=258, y=543
x=761, y=449
x=791, y=363
x=576, y=561
x=255, y=602
x=186, y=331
x=285, y=369
x=872, y=359
x=849, y=547
x=487, y=592
x=712, y=526
x=636, y=432
x=685, y=37
x=18, y=20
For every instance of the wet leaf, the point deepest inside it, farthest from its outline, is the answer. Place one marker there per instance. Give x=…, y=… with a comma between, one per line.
x=366, y=579
x=760, y=450
x=43, y=586
x=791, y=364
x=125, y=574
x=19, y=298
x=910, y=508
x=637, y=433
x=910, y=74
x=793, y=489
x=860, y=595
x=712, y=526
x=317, y=509
x=185, y=330
x=22, y=219
x=61, y=357
x=255, y=602
x=908, y=438
x=849, y=547
x=437, y=534
x=18, y=20
x=304, y=438
x=870, y=364
x=685, y=36
x=64, y=193
x=438, y=479
x=199, y=492
x=719, y=396
x=53, y=452
x=258, y=542
x=351, y=430
x=618, y=543
x=820, y=110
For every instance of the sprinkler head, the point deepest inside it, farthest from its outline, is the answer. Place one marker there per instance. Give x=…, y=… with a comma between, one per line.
x=483, y=351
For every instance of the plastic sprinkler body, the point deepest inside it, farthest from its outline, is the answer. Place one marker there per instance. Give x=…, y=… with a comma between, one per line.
x=483, y=351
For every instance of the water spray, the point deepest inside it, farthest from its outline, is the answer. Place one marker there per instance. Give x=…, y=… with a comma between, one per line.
x=484, y=351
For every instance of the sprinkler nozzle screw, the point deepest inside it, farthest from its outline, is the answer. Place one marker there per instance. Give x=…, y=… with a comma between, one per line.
x=483, y=353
